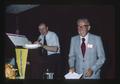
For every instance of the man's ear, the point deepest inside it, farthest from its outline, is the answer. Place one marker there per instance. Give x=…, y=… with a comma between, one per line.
x=89, y=28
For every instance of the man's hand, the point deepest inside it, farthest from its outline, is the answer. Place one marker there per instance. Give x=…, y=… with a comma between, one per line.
x=89, y=72
x=36, y=42
x=72, y=70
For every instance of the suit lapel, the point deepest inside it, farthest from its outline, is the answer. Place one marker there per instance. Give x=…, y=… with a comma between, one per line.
x=89, y=42
x=79, y=47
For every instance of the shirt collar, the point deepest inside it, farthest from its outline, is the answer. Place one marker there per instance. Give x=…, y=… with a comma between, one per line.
x=46, y=34
x=86, y=38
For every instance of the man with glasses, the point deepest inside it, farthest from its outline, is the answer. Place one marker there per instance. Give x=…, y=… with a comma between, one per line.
x=86, y=54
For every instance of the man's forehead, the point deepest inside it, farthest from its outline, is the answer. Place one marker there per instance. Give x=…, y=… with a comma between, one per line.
x=82, y=22
x=42, y=26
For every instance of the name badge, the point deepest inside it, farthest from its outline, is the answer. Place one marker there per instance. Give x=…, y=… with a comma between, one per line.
x=90, y=45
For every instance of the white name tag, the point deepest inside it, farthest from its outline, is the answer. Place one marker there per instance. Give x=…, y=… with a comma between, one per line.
x=89, y=45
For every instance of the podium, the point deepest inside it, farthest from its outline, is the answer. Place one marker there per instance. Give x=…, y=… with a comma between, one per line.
x=38, y=64
x=34, y=69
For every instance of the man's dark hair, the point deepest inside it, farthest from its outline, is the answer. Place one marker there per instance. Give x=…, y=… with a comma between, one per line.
x=43, y=23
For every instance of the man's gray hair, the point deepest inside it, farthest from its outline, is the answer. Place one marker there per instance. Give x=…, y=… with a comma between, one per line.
x=83, y=20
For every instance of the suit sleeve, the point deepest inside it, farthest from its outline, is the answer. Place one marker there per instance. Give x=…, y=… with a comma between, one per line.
x=71, y=60
x=101, y=55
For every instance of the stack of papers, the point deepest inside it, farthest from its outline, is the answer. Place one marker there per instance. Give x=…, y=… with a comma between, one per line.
x=73, y=75
x=32, y=46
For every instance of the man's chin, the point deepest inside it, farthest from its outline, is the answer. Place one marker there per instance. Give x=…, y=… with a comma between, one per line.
x=82, y=34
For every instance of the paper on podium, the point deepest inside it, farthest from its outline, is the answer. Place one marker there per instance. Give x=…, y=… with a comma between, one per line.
x=32, y=46
x=18, y=40
x=73, y=75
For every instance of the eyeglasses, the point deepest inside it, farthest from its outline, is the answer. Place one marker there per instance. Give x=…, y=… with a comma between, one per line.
x=83, y=26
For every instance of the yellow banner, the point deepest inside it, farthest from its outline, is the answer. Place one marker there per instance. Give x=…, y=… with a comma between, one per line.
x=21, y=58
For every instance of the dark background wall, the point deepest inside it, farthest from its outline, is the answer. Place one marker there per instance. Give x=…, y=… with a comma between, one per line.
x=62, y=20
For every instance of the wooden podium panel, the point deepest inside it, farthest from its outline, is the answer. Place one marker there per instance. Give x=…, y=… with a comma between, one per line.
x=39, y=64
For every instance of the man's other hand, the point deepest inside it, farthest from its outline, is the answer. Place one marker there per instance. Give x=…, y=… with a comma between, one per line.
x=72, y=70
x=89, y=72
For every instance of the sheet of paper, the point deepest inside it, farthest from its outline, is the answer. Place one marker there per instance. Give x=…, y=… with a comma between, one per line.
x=73, y=75
x=18, y=40
x=32, y=46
